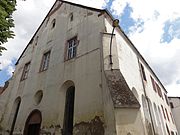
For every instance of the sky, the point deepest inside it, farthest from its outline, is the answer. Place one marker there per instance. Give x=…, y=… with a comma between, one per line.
x=152, y=25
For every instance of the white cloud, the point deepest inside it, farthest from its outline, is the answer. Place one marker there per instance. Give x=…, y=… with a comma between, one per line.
x=4, y=64
x=118, y=6
x=30, y=14
x=27, y=17
x=162, y=56
x=173, y=89
x=10, y=70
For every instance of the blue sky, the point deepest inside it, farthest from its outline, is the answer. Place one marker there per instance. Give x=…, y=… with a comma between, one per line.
x=4, y=74
x=153, y=27
x=171, y=30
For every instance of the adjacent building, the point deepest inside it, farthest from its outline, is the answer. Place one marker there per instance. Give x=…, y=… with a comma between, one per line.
x=175, y=107
x=80, y=74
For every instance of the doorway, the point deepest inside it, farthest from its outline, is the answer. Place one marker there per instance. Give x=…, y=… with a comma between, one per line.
x=33, y=123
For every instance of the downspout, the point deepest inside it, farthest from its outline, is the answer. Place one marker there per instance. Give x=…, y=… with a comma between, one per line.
x=148, y=104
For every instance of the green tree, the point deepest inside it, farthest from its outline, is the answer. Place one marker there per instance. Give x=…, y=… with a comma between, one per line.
x=7, y=7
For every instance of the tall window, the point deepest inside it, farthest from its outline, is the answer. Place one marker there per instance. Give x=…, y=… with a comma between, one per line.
x=16, y=109
x=168, y=130
x=153, y=84
x=167, y=114
x=45, y=61
x=143, y=72
x=159, y=91
x=167, y=101
x=25, y=71
x=72, y=48
x=172, y=118
x=69, y=111
x=71, y=17
x=163, y=112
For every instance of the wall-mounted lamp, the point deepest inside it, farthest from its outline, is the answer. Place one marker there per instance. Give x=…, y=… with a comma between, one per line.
x=114, y=24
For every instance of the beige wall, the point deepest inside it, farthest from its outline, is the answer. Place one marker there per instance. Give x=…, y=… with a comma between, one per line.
x=84, y=71
x=128, y=59
x=93, y=101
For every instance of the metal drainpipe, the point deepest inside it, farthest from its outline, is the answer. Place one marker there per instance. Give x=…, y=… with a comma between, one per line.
x=115, y=24
x=148, y=104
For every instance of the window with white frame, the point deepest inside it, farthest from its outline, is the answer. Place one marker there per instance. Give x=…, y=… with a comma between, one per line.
x=45, y=61
x=25, y=71
x=72, y=48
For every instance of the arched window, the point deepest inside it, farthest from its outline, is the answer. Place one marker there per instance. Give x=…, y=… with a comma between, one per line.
x=15, y=112
x=168, y=130
x=33, y=123
x=69, y=111
x=152, y=116
x=162, y=120
x=158, y=121
x=148, y=123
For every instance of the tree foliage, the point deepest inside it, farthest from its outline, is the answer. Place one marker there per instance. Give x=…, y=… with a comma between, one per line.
x=7, y=7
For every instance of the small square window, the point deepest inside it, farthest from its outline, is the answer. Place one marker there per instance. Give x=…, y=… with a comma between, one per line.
x=171, y=105
x=71, y=17
x=71, y=48
x=25, y=71
x=53, y=23
x=45, y=61
x=36, y=40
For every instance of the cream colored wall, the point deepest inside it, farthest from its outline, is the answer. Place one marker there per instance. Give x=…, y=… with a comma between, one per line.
x=129, y=67
x=125, y=60
x=176, y=111
x=156, y=99
x=84, y=71
x=129, y=122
